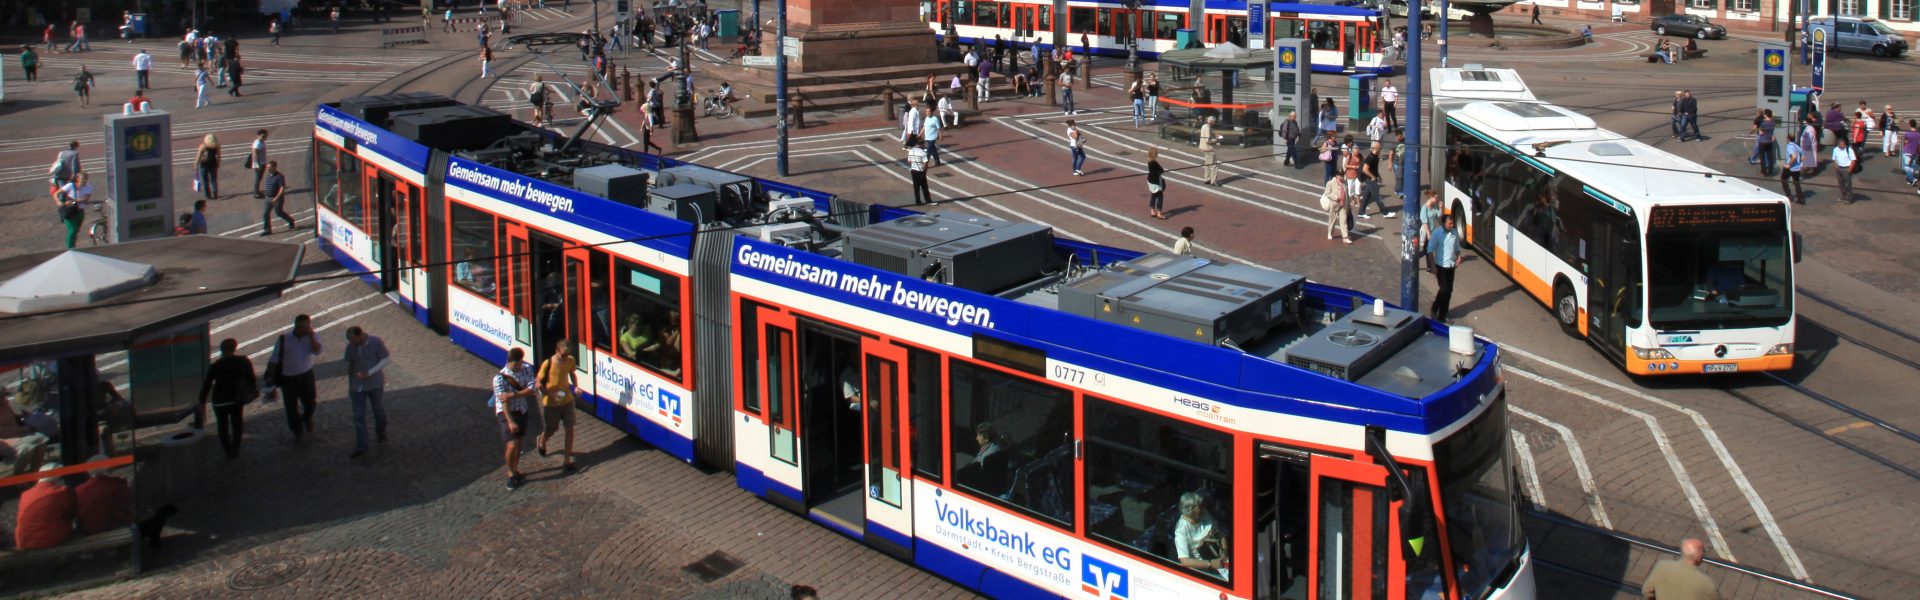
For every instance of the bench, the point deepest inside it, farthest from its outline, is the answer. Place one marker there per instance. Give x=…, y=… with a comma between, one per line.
x=1685, y=55
x=108, y=541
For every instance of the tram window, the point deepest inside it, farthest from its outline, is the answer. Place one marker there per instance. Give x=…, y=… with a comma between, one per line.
x=1012, y=440
x=473, y=244
x=963, y=12
x=1167, y=25
x=1046, y=20
x=986, y=14
x=326, y=181
x=602, y=301
x=1079, y=20
x=1478, y=494
x=350, y=191
x=749, y=328
x=1326, y=35
x=646, y=303
x=1103, y=21
x=923, y=398
x=1289, y=28
x=1158, y=486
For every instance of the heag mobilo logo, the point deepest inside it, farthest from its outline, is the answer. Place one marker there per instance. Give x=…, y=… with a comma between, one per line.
x=1103, y=580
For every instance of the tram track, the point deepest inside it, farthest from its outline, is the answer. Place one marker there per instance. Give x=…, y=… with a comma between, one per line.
x=1601, y=541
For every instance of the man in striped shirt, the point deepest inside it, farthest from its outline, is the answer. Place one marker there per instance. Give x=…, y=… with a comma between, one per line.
x=512, y=386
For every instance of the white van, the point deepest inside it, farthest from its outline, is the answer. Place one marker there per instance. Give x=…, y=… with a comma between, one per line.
x=1858, y=34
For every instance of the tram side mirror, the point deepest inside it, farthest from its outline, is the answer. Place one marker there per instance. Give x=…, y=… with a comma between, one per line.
x=1799, y=243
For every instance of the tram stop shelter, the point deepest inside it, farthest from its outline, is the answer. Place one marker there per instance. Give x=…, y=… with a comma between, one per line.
x=64, y=421
x=1180, y=117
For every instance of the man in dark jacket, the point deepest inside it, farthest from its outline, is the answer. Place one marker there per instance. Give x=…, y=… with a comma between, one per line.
x=230, y=382
x=1290, y=133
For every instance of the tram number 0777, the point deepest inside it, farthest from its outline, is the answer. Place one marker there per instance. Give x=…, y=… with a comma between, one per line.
x=1066, y=374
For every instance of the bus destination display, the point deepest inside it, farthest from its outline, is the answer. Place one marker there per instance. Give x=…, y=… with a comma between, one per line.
x=1725, y=216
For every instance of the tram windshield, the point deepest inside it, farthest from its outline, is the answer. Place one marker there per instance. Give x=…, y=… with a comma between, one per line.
x=1719, y=267
x=1480, y=500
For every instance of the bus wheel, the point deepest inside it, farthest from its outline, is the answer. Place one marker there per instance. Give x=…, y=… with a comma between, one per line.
x=1565, y=310
x=1460, y=224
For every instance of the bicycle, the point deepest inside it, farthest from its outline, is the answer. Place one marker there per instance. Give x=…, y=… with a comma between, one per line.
x=101, y=231
x=716, y=106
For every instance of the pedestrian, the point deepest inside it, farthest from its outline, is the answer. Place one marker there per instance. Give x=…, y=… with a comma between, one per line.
x=1790, y=173
x=142, y=66
x=1329, y=158
x=1910, y=150
x=83, y=86
x=1328, y=118
x=1763, y=126
x=1076, y=146
x=949, y=116
x=1066, y=91
x=1156, y=185
x=71, y=198
x=917, y=169
x=1810, y=141
x=1536, y=15
x=1857, y=131
x=30, y=63
x=983, y=80
x=207, y=160
x=79, y=38
x=1679, y=119
x=1836, y=123
x=275, y=187
x=1333, y=199
x=1153, y=96
x=1389, y=97
x=1370, y=183
x=1889, y=132
x=66, y=167
x=1446, y=259
x=1430, y=214
x=1845, y=160
x=1209, y=152
x=446, y=20
x=1690, y=109
x=234, y=70
x=930, y=135
x=257, y=161
x=1137, y=92
x=1377, y=128
x=230, y=384
x=290, y=373
x=334, y=17
x=200, y=85
x=273, y=29
x=1290, y=135
x=366, y=357
x=486, y=61
x=558, y=388
x=197, y=220
x=512, y=386
x=1681, y=579
x=1086, y=46
x=537, y=96
x=46, y=38
x=1183, y=245
x=910, y=122
x=649, y=119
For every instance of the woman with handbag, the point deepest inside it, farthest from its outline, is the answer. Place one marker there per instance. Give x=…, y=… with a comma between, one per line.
x=231, y=383
x=1156, y=185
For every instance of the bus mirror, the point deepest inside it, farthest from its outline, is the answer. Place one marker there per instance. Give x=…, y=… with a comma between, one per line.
x=1799, y=243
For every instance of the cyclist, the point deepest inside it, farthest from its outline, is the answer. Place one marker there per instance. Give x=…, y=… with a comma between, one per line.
x=725, y=96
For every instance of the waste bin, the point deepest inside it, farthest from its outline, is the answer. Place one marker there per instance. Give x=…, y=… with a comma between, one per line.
x=140, y=24
x=1186, y=38
x=729, y=28
x=1360, y=108
x=1802, y=100
x=179, y=464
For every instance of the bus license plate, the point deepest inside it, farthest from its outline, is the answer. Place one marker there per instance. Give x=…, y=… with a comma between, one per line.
x=1722, y=368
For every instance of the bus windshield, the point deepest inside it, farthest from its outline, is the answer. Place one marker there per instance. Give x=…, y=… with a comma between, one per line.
x=1479, y=498
x=1720, y=267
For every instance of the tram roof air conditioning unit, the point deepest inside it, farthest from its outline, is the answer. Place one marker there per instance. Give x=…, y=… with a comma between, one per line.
x=737, y=194
x=690, y=203
x=975, y=253
x=1352, y=346
x=1189, y=298
x=619, y=183
x=378, y=110
x=454, y=127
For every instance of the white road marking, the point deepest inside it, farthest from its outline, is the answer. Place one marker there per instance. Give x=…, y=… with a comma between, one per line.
x=1529, y=470
x=1580, y=468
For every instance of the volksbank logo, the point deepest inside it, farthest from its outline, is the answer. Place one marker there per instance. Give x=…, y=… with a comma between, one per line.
x=669, y=405
x=1104, y=580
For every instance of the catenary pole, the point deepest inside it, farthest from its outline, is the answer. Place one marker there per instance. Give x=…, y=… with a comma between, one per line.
x=1410, y=163
x=780, y=89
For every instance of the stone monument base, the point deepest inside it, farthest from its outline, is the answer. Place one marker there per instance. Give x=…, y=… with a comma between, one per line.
x=845, y=46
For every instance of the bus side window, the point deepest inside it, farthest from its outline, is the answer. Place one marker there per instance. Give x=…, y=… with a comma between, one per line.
x=1158, y=487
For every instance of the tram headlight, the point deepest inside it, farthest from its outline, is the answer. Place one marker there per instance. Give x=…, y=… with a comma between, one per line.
x=1652, y=353
x=1779, y=349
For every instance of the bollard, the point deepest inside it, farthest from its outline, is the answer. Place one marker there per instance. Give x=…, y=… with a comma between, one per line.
x=1086, y=71
x=1053, y=81
x=626, y=82
x=973, y=98
x=794, y=111
x=886, y=103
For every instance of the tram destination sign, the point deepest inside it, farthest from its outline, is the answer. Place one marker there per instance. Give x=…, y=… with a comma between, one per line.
x=1717, y=217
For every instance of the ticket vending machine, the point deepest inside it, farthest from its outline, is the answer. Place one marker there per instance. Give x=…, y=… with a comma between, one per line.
x=139, y=152
x=1292, y=84
x=1774, y=88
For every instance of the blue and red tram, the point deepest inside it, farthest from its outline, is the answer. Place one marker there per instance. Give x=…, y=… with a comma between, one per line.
x=1021, y=414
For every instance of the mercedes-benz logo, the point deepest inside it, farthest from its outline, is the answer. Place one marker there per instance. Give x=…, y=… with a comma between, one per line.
x=1720, y=351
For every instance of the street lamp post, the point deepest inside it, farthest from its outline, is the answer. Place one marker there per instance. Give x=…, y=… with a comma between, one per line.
x=1133, y=39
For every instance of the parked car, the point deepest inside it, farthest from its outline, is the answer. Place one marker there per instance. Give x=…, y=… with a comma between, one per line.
x=1688, y=26
x=1856, y=34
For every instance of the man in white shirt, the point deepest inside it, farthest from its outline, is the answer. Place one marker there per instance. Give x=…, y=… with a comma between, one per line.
x=1389, y=96
x=142, y=66
x=292, y=366
x=930, y=133
x=1843, y=158
x=910, y=122
x=947, y=113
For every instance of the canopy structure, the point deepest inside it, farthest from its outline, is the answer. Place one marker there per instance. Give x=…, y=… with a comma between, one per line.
x=1229, y=61
x=72, y=278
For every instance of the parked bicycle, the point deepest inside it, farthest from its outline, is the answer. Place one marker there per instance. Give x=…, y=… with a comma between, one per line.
x=101, y=231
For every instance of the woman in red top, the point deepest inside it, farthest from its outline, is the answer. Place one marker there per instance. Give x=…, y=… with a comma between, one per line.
x=46, y=513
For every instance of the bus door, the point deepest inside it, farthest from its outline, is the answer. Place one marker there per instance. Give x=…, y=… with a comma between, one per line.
x=889, y=512
x=1612, y=256
x=1351, y=551
x=516, y=277
x=779, y=390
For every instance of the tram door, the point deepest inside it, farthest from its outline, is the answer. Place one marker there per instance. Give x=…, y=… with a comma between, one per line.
x=1227, y=28
x=1281, y=512
x=582, y=320
x=1351, y=550
x=779, y=392
x=380, y=227
x=889, y=515
x=1349, y=44
x=517, y=279
x=1023, y=17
